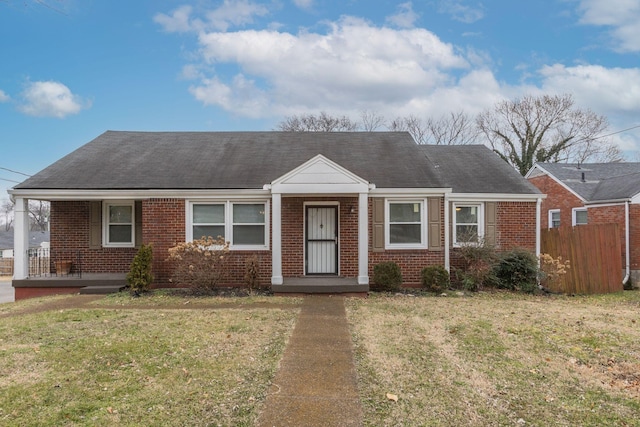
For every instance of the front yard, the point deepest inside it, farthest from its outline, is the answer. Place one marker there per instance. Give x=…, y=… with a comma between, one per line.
x=485, y=359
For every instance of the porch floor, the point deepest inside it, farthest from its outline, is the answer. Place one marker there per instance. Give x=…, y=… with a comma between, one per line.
x=88, y=283
x=320, y=285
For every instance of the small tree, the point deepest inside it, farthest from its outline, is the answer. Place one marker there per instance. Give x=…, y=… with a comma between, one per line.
x=139, y=277
x=201, y=264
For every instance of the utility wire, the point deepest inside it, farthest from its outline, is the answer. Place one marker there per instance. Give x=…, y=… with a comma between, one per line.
x=12, y=171
x=10, y=180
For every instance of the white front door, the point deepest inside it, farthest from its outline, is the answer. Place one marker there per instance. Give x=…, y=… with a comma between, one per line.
x=321, y=240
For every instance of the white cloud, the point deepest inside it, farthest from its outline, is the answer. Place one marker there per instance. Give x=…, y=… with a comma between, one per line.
x=405, y=18
x=3, y=96
x=50, y=99
x=622, y=16
x=229, y=13
x=461, y=12
x=304, y=4
x=354, y=63
x=612, y=90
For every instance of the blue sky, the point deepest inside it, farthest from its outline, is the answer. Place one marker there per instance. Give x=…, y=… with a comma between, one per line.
x=72, y=69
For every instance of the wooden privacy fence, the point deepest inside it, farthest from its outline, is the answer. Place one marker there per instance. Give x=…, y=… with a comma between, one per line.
x=595, y=254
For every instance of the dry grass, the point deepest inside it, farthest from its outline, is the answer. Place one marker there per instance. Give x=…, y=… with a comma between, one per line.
x=128, y=366
x=498, y=359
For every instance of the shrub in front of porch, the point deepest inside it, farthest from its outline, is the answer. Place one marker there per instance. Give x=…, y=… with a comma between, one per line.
x=202, y=264
x=387, y=276
x=139, y=277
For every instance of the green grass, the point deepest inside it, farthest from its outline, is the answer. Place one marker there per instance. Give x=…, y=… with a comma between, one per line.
x=498, y=359
x=103, y=367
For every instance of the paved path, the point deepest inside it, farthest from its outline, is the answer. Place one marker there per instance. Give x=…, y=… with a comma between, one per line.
x=6, y=290
x=316, y=382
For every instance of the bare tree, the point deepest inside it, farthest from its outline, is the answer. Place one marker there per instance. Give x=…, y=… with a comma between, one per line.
x=543, y=129
x=455, y=129
x=320, y=123
x=371, y=121
x=6, y=210
x=412, y=124
x=39, y=213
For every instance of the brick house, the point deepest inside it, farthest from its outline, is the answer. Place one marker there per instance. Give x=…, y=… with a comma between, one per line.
x=593, y=193
x=308, y=204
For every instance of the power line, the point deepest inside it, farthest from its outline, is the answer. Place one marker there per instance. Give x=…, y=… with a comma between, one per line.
x=10, y=180
x=613, y=133
x=12, y=171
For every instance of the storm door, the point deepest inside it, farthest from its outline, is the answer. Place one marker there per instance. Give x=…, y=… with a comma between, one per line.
x=322, y=240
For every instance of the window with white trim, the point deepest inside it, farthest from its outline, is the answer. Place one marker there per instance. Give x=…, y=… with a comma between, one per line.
x=243, y=224
x=468, y=224
x=119, y=224
x=579, y=216
x=405, y=225
x=554, y=218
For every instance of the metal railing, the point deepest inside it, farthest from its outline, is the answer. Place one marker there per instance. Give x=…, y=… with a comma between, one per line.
x=43, y=263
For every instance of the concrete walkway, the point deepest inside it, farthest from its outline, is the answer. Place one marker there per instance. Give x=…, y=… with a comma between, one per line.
x=316, y=382
x=7, y=293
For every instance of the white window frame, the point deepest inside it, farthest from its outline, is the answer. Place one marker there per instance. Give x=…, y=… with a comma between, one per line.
x=550, y=219
x=454, y=233
x=574, y=215
x=106, y=224
x=190, y=235
x=423, y=224
x=228, y=221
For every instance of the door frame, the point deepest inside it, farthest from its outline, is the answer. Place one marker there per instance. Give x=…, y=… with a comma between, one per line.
x=321, y=204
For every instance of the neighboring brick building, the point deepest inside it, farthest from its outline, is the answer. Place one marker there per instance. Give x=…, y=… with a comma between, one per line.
x=308, y=204
x=593, y=193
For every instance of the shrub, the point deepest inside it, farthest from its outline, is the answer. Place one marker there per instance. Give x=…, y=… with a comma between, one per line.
x=478, y=261
x=551, y=271
x=251, y=272
x=139, y=277
x=202, y=264
x=435, y=278
x=518, y=270
x=387, y=276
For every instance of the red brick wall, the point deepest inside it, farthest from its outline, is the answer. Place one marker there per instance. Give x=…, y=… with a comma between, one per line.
x=70, y=238
x=558, y=197
x=516, y=225
x=293, y=234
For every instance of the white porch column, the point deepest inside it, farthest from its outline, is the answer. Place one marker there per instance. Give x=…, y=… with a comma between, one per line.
x=21, y=239
x=276, y=239
x=363, y=239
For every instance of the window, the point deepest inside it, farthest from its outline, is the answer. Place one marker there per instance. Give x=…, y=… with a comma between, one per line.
x=208, y=221
x=467, y=223
x=248, y=224
x=554, y=218
x=405, y=225
x=119, y=230
x=242, y=224
x=579, y=216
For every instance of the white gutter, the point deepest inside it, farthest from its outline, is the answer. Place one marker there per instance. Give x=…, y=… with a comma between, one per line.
x=626, y=243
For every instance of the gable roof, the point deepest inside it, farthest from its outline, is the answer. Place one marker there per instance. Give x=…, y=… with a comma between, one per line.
x=596, y=181
x=476, y=169
x=231, y=160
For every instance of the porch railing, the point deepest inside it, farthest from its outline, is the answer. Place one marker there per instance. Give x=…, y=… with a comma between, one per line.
x=43, y=263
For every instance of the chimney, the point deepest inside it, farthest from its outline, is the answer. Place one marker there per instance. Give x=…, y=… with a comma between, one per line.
x=583, y=179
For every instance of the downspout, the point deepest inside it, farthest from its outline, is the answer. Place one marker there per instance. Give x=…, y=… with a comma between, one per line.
x=626, y=244
x=447, y=233
x=538, y=223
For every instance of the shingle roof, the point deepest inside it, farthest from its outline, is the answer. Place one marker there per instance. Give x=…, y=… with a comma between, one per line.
x=598, y=181
x=231, y=160
x=476, y=169
x=249, y=160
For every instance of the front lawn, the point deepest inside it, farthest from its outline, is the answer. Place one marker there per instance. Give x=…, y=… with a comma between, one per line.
x=498, y=359
x=181, y=363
